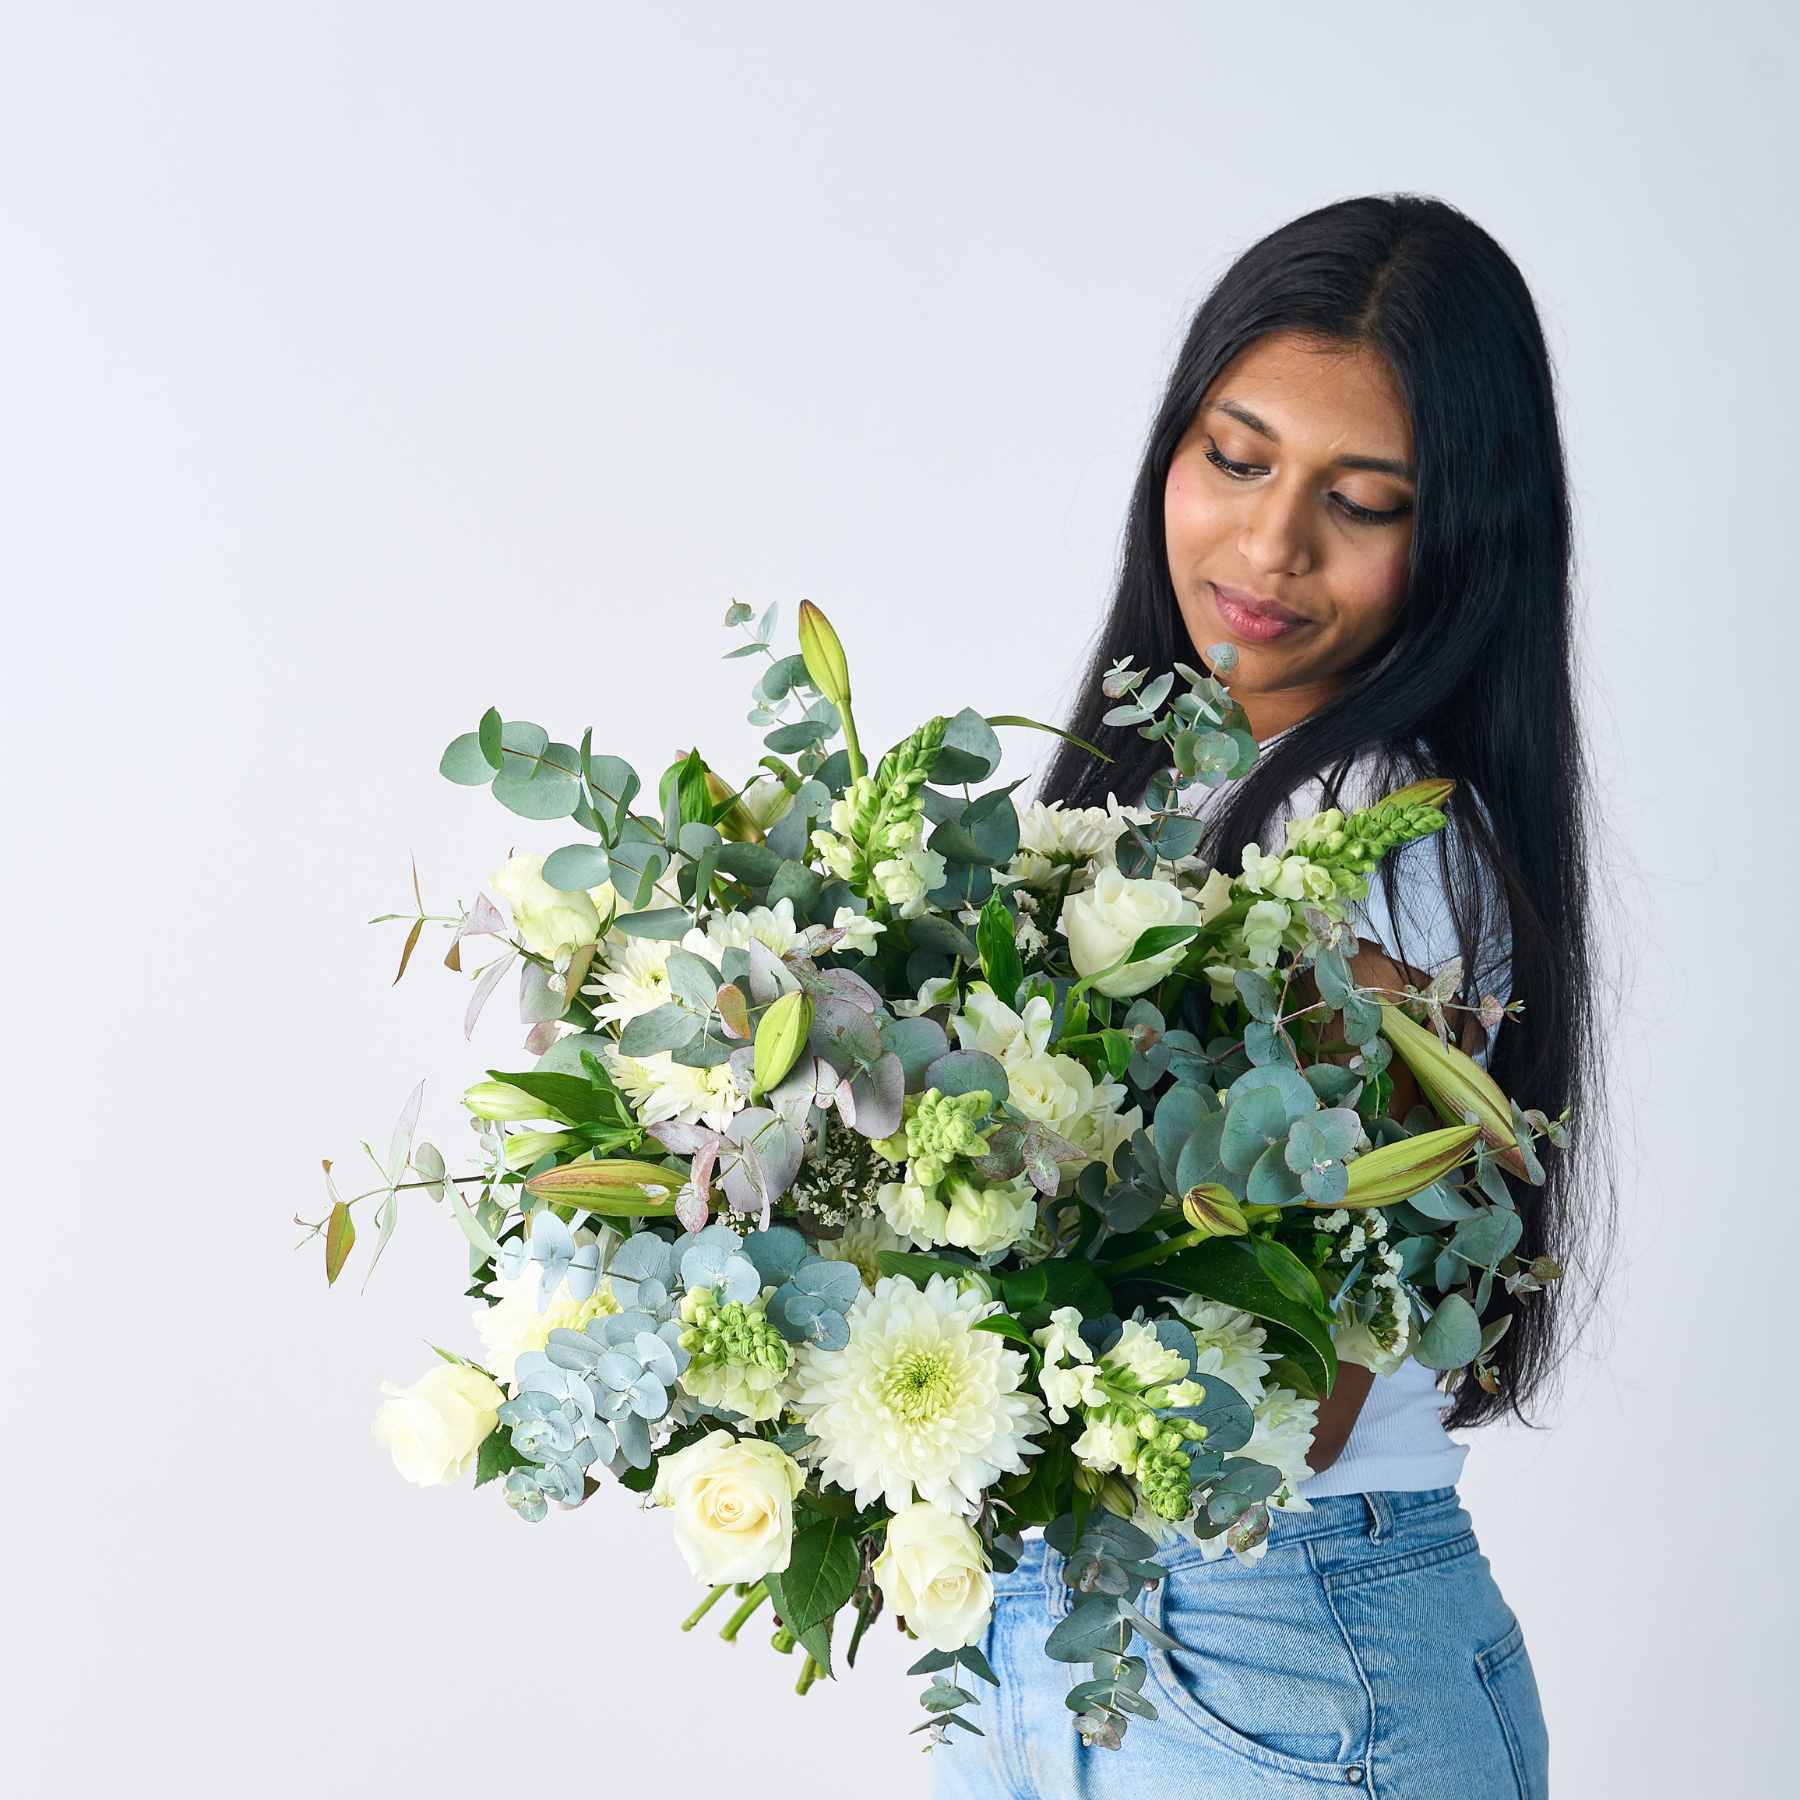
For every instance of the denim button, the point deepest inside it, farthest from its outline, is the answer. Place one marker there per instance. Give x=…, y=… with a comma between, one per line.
x=1354, y=1774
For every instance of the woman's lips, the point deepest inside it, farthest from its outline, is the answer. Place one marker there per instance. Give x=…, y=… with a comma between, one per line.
x=1257, y=620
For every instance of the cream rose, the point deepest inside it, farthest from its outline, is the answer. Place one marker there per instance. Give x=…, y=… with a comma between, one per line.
x=1105, y=921
x=734, y=1506
x=547, y=919
x=434, y=1428
x=933, y=1574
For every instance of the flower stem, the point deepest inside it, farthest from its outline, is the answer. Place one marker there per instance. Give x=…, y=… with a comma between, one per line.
x=705, y=1607
x=751, y=1602
x=783, y=1641
x=1159, y=1252
x=809, y=1673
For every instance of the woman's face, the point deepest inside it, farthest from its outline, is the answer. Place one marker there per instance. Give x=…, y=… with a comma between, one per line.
x=1271, y=498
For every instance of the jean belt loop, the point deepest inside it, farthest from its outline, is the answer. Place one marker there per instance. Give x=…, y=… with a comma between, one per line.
x=1056, y=1592
x=1381, y=1517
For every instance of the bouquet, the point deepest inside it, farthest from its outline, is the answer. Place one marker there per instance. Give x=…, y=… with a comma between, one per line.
x=891, y=1168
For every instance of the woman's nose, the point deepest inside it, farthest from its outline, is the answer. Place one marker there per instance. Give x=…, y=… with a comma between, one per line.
x=1277, y=533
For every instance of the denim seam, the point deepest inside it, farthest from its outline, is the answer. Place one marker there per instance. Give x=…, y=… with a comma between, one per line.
x=1203, y=1719
x=1487, y=1669
x=1357, y=1573
x=1367, y=1758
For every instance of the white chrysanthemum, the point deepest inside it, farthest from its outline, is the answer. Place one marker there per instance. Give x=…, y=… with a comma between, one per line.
x=1068, y=833
x=660, y=1088
x=634, y=981
x=772, y=926
x=918, y=1404
x=1230, y=1344
x=1285, y=1424
x=860, y=1243
x=514, y=1325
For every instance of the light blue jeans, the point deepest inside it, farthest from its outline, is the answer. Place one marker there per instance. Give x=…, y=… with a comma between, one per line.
x=1369, y=1651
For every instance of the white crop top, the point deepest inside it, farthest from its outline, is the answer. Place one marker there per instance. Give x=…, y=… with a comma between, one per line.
x=1398, y=1440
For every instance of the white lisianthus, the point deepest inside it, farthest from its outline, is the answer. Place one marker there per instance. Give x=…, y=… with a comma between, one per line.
x=906, y=879
x=1109, y=1442
x=913, y=1212
x=982, y=1220
x=918, y=1405
x=933, y=992
x=932, y=1572
x=987, y=1023
x=1103, y=923
x=1058, y=1091
x=660, y=1088
x=771, y=926
x=634, y=981
x=514, y=1324
x=1357, y=1343
x=1068, y=834
x=1229, y=1344
x=434, y=1428
x=548, y=919
x=733, y=1500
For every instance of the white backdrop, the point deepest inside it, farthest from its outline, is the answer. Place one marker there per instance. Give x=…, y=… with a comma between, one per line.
x=369, y=364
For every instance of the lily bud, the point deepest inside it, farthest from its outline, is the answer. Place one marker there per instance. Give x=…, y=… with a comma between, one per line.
x=501, y=1100
x=1455, y=1085
x=524, y=1147
x=619, y=1186
x=734, y=824
x=826, y=665
x=1214, y=1210
x=1116, y=1496
x=1399, y=1170
x=780, y=1037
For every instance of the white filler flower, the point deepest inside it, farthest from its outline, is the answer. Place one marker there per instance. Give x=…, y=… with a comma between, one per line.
x=918, y=1405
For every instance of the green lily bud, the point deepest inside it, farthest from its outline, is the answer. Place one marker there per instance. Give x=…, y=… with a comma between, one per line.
x=1399, y=1170
x=524, y=1147
x=1116, y=1496
x=1214, y=1210
x=780, y=1037
x=1455, y=1084
x=501, y=1100
x=734, y=824
x=619, y=1186
x=826, y=665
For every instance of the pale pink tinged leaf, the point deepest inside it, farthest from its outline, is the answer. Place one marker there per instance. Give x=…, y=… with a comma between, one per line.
x=400, y=1143
x=541, y=1036
x=681, y=1137
x=485, y=987
x=733, y=1011
x=483, y=919
x=705, y=1160
x=691, y=1210
x=826, y=937
x=846, y=984
x=412, y=943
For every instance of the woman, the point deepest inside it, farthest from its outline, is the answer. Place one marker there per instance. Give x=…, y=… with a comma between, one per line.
x=1356, y=481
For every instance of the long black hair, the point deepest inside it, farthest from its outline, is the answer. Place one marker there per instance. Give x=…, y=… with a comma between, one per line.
x=1476, y=680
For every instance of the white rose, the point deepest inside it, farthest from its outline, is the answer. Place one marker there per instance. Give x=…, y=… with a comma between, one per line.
x=1103, y=923
x=434, y=1428
x=547, y=919
x=933, y=1574
x=734, y=1506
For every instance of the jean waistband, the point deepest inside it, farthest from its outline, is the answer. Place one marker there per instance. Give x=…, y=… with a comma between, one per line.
x=1377, y=1516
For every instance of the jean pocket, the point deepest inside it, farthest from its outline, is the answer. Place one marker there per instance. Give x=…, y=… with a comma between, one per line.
x=1262, y=1669
x=1511, y=1683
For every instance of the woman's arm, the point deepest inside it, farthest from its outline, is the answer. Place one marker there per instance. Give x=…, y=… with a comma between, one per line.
x=1371, y=966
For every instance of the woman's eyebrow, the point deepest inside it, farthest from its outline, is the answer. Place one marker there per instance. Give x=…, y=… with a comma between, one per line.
x=1379, y=465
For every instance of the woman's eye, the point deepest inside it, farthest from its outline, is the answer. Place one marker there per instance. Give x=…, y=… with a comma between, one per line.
x=1363, y=515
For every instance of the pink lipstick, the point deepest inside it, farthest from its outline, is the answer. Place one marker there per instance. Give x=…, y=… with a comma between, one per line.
x=1254, y=617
